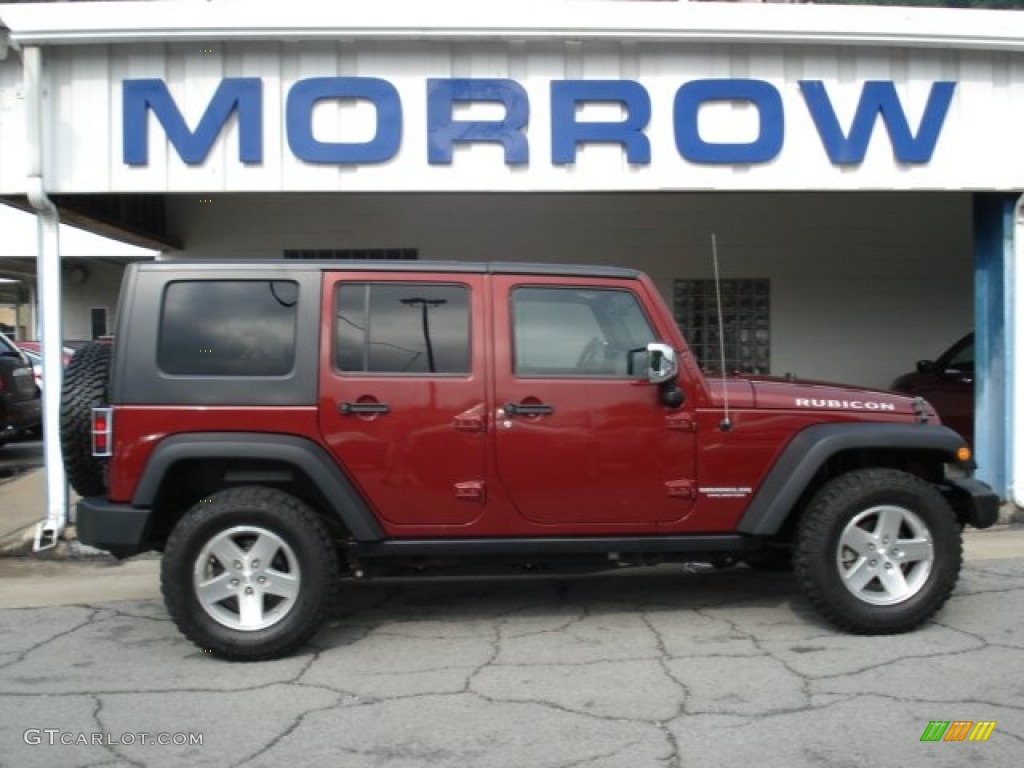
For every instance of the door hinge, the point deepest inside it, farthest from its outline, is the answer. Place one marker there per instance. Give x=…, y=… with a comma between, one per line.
x=681, y=489
x=682, y=421
x=472, y=490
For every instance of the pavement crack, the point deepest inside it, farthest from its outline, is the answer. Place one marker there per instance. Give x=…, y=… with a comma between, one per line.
x=127, y=614
x=662, y=660
x=495, y=644
x=675, y=759
x=908, y=656
x=603, y=756
x=288, y=730
x=97, y=716
x=24, y=654
x=1014, y=736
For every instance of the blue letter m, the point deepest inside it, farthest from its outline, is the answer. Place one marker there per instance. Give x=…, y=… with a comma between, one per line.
x=242, y=93
x=878, y=97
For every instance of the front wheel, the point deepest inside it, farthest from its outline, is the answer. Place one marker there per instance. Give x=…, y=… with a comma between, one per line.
x=249, y=573
x=878, y=551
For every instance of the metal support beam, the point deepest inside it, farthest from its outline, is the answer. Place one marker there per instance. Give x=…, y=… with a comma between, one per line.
x=994, y=244
x=48, y=266
x=1015, y=348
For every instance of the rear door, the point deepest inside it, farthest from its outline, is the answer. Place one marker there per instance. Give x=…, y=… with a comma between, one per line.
x=402, y=398
x=578, y=438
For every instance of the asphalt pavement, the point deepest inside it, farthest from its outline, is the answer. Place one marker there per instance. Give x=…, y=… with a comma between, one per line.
x=18, y=457
x=666, y=666
x=663, y=666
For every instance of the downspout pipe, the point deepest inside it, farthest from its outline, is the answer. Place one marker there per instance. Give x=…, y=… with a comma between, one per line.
x=48, y=273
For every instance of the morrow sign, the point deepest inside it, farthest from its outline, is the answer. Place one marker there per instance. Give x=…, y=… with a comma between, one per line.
x=913, y=141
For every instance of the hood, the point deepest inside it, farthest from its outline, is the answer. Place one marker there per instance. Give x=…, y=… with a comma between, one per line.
x=740, y=392
x=786, y=394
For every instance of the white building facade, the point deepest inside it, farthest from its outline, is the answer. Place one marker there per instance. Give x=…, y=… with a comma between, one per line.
x=859, y=167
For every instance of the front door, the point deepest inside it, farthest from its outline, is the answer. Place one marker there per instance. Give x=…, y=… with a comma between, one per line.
x=402, y=401
x=579, y=438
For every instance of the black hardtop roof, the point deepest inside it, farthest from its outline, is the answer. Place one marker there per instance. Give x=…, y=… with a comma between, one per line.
x=381, y=265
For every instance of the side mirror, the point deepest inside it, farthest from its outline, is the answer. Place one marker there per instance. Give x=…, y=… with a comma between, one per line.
x=658, y=364
x=662, y=364
x=927, y=366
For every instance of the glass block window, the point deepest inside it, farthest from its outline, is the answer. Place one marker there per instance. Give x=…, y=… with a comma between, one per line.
x=746, y=319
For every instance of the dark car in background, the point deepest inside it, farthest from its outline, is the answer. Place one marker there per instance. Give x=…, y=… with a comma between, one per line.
x=33, y=351
x=948, y=384
x=20, y=403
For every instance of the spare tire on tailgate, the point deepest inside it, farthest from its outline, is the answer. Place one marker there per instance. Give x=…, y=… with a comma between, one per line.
x=85, y=388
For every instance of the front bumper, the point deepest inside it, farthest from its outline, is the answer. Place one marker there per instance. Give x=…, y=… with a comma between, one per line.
x=974, y=502
x=121, y=529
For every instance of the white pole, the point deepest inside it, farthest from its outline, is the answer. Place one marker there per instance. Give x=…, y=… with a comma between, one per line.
x=49, y=293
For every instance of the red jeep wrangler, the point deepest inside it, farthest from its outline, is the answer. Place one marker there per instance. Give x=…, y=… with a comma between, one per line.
x=271, y=425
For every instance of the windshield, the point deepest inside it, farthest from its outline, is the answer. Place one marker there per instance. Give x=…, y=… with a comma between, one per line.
x=7, y=349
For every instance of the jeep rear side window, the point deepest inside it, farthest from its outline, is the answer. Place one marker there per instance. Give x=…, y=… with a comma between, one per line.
x=399, y=328
x=228, y=328
x=576, y=331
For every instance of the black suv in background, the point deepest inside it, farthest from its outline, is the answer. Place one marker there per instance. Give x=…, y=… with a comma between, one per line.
x=20, y=404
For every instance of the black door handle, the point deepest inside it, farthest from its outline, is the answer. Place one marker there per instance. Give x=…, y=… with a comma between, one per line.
x=347, y=409
x=513, y=409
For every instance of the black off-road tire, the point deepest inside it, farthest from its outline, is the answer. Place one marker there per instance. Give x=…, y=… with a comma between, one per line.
x=869, y=492
x=306, y=551
x=85, y=388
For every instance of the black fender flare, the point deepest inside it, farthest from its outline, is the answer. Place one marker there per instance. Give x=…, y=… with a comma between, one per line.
x=808, y=451
x=341, y=494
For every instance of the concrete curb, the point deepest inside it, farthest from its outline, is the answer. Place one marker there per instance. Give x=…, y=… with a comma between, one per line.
x=19, y=544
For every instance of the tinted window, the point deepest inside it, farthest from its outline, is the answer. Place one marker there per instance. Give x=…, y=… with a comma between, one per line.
x=961, y=356
x=402, y=328
x=576, y=331
x=228, y=328
x=7, y=349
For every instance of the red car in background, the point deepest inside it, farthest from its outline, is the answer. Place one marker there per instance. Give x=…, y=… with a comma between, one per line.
x=948, y=384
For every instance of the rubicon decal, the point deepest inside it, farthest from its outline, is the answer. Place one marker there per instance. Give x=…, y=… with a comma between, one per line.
x=848, y=405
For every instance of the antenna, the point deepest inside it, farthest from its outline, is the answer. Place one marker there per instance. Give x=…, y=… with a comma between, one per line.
x=726, y=424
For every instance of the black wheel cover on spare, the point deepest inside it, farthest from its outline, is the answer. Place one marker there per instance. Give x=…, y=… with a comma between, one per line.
x=85, y=388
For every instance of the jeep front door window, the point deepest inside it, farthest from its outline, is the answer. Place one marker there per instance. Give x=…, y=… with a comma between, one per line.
x=576, y=331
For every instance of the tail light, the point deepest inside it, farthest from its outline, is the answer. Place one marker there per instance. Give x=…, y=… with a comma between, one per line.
x=102, y=431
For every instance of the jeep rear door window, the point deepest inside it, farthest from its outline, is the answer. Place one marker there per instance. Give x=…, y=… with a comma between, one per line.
x=400, y=328
x=576, y=331
x=228, y=328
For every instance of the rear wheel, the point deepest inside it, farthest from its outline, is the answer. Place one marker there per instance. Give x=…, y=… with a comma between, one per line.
x=249, y=573
x=878, y=551
x=85, y=388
